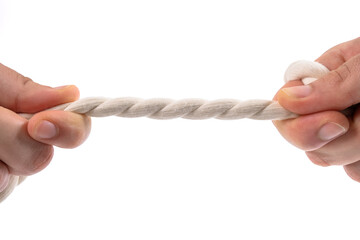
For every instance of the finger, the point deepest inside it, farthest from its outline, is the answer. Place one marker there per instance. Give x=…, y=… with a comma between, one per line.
x=22, y=154
x=59, y=128
x=21, y=94
x=4, y=176
x=337, y=90
x=343, y=150
x=311, y=132
x=353, y=170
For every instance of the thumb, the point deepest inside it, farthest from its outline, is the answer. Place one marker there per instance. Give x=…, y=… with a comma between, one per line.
x=337, y=90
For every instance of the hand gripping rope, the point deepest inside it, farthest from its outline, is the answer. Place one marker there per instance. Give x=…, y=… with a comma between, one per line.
x=160, y=108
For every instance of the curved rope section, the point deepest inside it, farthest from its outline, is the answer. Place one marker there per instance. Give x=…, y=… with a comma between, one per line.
x=160, y=108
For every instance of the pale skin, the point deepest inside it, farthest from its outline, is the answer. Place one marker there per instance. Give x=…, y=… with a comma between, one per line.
x=26, y=146
x=326, y=135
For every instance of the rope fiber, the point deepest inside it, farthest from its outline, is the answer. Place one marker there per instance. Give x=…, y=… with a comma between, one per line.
x=197, y=109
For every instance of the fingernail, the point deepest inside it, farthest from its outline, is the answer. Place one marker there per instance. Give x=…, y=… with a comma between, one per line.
x=330, y=131
x=298, y=91
x=61, y=87
x=46, y=130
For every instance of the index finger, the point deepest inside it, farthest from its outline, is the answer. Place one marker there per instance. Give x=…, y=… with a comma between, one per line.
x=20, y=94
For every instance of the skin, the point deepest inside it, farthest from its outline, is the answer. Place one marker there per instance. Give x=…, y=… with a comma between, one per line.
x=320, y=104
x=24, y=149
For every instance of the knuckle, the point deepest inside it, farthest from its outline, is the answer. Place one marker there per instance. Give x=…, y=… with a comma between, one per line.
x=22, y=80
x=24, y=83
x=25, y=80
x=339, y=75
x=346, y=79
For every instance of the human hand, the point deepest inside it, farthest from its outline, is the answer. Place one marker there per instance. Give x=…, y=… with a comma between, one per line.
x=327, y=135
x=26, y=146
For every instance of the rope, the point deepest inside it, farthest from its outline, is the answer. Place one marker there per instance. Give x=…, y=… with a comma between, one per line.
x=160, y=108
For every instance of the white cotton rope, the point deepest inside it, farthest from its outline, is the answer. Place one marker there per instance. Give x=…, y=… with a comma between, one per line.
x=160, y=108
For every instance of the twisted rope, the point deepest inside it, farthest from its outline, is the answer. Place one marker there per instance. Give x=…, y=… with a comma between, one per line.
x=162, y=108
x=159, y=108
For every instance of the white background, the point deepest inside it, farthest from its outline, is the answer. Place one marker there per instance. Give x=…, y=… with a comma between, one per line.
x=177, y=179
